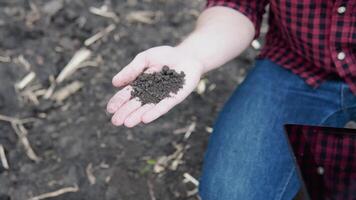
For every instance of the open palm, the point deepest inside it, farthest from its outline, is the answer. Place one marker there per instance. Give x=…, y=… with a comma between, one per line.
x=129, y=111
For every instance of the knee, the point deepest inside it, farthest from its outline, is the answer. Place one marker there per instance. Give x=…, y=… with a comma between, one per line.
x=215, y=185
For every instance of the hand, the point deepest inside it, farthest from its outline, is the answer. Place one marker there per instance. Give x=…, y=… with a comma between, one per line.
x=128, y=111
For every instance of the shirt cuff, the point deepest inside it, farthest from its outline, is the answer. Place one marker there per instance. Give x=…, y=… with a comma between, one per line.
x=253, y=14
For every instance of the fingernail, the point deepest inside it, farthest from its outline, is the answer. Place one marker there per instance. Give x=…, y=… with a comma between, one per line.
x=114, y=80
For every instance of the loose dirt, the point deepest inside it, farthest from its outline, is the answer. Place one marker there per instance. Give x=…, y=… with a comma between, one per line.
x=154, y=87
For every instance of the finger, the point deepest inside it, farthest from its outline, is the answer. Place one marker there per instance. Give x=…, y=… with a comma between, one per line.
x=121, y=114
x=119, y=99
x=136, y=117
x=131, y=71
x=160, y=109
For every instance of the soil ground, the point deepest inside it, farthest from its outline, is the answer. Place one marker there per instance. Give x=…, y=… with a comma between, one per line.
x=74, y=139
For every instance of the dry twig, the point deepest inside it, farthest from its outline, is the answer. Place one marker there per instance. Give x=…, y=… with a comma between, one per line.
x=99, y=35
x=55, y=193
x=145, y=17
x=150, y=190
x=22, y=60
x=89, y=171
x=201, y=86
x=190, y=178
x=103, y=11
x=5, y=59
x=4, y=162
x=26, y=80
x=186, y=130
x=51, y=88
x=190, y=130
x=66, y=91
x=21, y=132
x=171, y=161
x=79, y=57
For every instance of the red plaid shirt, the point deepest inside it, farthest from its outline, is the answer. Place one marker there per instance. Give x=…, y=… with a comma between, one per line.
x=314, y=39
x=327, y=160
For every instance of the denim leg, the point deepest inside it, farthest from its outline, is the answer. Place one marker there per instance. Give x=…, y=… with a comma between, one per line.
x=247, y=156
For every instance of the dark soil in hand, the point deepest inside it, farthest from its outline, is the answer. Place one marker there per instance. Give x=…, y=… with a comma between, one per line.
x=153, y=88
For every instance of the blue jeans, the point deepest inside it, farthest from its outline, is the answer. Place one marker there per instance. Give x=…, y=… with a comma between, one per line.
x=247, y=156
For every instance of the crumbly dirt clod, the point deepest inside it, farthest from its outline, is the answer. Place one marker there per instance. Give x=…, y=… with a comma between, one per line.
x=152, y=88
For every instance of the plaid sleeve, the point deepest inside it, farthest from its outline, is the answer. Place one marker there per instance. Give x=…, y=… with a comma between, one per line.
x=253, y=9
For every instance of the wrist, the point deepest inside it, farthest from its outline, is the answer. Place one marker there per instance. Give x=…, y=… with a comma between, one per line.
x=192, y=55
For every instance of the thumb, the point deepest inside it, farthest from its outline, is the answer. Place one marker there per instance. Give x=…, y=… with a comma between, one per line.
x=131, y=71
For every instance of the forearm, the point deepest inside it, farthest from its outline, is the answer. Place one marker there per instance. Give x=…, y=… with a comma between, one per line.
x=220, y=35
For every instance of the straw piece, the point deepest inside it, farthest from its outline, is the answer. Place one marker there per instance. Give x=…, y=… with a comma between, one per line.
x=190, y=130
x=22, y=60
x=21, y=133
x=99, y=35
x=190, y=178
x=103, y=12
x=79, y=57
x=67, y=91
x=201, y=86
x=146, y=17
x=5, y=59
x=51, y=88
x=26, y=80
x=89, y=171
x=55, y=193
x=4, y=161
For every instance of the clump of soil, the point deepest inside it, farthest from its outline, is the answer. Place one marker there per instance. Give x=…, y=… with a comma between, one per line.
x=152, y=88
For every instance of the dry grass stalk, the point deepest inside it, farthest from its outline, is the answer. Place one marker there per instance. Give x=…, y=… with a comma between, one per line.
x=51, y=88
x=31, y=96
x=21, y=132
x=89, y=63
x=5, y=59
x=190, y=178
x=89, y=171
x=171, y=161
x=67, y=91
x=56, y=193
x=15, y=120
x=22, y=60
x=99, y=35
x=31, y=93
x=151, y=190
x=3, y=158
x=25, y=80
x=201, y=86
x=145, y=17
x=103, y=11
x=79, y=57
x=186, y=130
x=33, y=16
x=190, y=130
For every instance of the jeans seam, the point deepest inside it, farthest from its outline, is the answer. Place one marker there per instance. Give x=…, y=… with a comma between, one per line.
x=333, y=113
x=328, y=117
x=285, y=186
